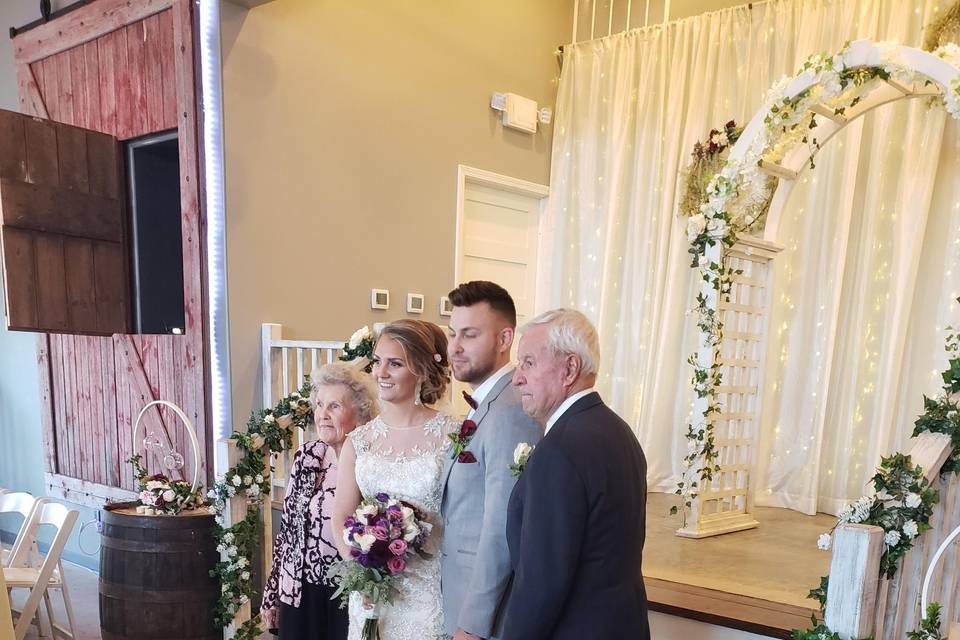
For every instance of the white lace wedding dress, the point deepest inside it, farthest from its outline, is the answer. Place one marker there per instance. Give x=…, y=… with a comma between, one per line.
x=407, y=463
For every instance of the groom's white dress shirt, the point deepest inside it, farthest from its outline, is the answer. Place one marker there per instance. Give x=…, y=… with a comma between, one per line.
x=487, y=385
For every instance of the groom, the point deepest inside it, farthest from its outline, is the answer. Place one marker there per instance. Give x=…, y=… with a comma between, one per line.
x=475, y=563
x=576, y=518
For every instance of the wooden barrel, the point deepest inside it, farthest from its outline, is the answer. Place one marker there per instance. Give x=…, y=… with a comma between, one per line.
x=154, y=576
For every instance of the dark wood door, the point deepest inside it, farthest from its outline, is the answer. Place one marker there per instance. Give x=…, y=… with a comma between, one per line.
x=62, y=227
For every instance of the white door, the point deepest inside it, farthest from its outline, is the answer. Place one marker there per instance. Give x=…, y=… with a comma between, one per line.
x=499, y=232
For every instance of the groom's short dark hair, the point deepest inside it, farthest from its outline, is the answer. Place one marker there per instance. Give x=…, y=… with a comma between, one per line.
x=477, y=291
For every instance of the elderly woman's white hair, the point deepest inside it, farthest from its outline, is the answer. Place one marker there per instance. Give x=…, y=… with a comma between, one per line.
x=363, y=393
x=570, y=332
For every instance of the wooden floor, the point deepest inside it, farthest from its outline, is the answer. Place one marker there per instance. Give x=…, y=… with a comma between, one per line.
x=755, y=580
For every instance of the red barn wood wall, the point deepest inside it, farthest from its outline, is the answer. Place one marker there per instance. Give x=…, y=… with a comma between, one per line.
x=123, y=67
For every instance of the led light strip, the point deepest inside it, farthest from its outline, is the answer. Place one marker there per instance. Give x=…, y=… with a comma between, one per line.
x=219, y=332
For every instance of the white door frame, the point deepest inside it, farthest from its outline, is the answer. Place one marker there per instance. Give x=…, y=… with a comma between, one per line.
x=467, y=174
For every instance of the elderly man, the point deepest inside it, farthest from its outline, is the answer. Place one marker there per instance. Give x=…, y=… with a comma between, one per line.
x=576, y=518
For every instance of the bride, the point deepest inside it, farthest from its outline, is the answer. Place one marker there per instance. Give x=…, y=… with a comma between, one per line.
x=403, y=452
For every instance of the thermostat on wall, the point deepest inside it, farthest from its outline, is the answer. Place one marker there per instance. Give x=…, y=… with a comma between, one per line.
x=414, y=303
x=446, y=307
x=379, y=299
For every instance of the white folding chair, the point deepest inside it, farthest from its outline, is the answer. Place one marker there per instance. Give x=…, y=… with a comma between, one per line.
x=49, y=575
x=21, y=554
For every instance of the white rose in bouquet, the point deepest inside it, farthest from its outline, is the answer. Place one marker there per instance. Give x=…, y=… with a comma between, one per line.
x=411, y=533
x=365, y=540
x=169, y=495
x=367, y=510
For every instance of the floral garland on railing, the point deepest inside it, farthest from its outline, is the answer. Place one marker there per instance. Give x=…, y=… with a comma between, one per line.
x=360, y=345
x=903, y=503
x=741, y=185
x=268, y=431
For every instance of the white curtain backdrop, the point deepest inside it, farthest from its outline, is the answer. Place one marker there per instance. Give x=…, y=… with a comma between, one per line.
x=863, y=289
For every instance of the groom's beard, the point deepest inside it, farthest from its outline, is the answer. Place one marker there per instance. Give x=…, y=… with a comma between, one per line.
x=475, y=374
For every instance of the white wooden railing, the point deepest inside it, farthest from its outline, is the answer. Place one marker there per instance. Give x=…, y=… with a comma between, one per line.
x=285, y=365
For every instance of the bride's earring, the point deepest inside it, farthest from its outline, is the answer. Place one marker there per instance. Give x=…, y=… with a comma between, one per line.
x=416, y=394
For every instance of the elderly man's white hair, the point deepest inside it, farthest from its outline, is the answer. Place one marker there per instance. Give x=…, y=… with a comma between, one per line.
x=570, y=332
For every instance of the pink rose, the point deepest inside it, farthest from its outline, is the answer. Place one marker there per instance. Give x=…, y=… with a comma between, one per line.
x=380, y=533
x=398, y=547
x=396, y=564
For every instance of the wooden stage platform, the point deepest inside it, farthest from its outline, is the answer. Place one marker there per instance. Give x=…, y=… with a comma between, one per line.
x=754, y=580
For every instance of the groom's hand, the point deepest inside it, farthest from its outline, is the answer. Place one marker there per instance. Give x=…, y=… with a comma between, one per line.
x=463, y=635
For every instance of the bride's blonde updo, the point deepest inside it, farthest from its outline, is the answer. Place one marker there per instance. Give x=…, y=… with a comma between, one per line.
x=425, y=346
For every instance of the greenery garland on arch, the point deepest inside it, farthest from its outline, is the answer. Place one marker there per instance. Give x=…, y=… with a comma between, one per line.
x=741, y=188
x=903, y=502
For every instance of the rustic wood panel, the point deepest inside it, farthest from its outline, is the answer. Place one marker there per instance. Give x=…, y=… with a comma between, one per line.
x=69, y=407
x=58, y=384
x=110, y=277
x=72, y=158
x=111, y=422
x=41, y=145
x=128, y=72
x=82, y=303
x=124, y=419
x=19, y=257
x=168, y=74
x=82, y=25
x=51, y=283
x=46, y=404
x=13, y=160
x=29, y=82
x=56, y=210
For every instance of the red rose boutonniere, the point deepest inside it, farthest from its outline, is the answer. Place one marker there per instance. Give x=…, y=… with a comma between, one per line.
x=462, y=437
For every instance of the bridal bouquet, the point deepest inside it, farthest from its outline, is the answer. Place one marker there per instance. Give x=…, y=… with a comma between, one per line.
x=383, y=533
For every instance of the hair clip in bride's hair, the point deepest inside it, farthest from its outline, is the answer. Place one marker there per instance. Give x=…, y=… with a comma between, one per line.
x=437, y=358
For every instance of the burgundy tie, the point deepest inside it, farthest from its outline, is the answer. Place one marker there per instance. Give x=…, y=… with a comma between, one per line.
x=470, y=400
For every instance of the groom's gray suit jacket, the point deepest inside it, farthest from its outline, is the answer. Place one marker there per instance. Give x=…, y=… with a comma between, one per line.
x=475, y=563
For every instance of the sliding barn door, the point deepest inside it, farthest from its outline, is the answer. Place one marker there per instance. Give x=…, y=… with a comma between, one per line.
x=124, y=68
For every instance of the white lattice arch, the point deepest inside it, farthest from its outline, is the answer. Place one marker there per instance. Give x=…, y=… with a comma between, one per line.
x=724, y=504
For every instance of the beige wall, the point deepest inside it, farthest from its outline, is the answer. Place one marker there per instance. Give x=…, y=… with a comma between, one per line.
x=344, y=125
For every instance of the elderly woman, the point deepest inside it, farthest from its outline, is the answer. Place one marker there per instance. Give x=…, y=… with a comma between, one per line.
x=297, y=597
